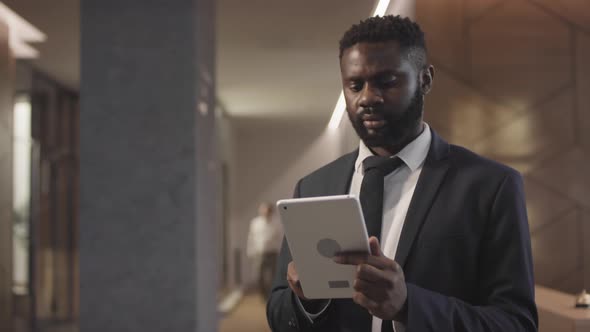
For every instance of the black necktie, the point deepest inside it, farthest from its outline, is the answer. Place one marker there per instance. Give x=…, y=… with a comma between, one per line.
x=387, y=326
x=371, y=197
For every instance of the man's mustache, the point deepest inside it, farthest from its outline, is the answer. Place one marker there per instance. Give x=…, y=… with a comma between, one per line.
x=371, y=111
x=381, y=113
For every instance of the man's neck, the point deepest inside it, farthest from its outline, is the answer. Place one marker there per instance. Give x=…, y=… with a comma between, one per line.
x=391, y=150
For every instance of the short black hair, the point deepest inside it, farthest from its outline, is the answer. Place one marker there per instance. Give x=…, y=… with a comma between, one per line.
x=388, y=28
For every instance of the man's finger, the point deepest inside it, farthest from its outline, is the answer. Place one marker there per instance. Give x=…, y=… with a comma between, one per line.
x=375, y=246
x=351, y=258
x=293, y=280
x=372, y=291
x=291, y=268
x=380, y=262
x=296, y=288
x=371, y=274
x=292, y=272
x=365, y=302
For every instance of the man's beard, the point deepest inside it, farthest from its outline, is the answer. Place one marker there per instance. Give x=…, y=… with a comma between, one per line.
x=396, y=129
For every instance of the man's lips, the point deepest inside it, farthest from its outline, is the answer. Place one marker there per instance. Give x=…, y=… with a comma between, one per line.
x=372, y=121
x=374, y=124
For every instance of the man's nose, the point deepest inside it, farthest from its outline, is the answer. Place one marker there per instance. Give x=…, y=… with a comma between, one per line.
x=370, y=96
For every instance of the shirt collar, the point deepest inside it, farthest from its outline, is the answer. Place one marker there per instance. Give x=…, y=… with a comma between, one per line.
x=413, y=154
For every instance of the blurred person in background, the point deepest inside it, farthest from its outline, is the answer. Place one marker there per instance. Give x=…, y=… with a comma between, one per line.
x=264, y=241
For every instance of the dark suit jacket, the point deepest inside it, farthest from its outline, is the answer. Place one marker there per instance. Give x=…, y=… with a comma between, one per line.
x=464, y=248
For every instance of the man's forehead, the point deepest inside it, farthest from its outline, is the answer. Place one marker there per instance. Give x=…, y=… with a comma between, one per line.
x=381, y=55
x=373, y=48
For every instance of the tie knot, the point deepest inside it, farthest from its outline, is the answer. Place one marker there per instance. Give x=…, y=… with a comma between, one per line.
x=385, y=165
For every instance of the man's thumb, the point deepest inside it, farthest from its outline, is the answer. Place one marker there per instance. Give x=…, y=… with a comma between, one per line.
x=375, y=247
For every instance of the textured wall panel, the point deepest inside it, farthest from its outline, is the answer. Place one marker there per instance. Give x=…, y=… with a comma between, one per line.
x=544, y=204
x=461, y=113
x=575, y=12
x=519, y=53
x=525, y=103
x=557, y=249
x=567, y=173
x=528, y=140
x=444, y=24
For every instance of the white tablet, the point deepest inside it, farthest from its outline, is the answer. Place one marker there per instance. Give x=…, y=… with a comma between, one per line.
x=316, y=228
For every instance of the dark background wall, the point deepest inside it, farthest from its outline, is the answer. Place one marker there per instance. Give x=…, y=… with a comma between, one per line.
x=511, y=84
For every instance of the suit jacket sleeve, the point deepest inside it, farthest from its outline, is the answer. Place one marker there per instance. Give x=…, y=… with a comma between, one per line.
x=282, y=311
x=506, y=285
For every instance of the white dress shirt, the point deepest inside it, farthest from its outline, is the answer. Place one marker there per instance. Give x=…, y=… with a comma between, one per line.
x=399, y=188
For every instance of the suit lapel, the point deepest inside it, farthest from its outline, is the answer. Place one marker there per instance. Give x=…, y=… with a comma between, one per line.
x=344, y=171
x=433, y=173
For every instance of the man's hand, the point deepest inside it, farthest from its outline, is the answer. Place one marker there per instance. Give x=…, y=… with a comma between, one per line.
x=293, y=279
x=380, y=286
x=310, y=306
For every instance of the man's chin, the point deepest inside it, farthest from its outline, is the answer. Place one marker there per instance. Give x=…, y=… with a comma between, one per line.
x=375, y=141
x=380, y=141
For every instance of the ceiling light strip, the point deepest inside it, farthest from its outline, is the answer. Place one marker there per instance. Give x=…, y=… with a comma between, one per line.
x=21, y=33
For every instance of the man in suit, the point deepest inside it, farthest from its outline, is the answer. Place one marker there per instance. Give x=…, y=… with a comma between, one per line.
x=455, y=253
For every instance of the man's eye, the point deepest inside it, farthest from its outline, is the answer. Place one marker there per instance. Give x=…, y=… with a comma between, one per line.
x=356, y=86
x=390, y=81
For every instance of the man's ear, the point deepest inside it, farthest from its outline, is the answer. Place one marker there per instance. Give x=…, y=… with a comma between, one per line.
x=426, y=79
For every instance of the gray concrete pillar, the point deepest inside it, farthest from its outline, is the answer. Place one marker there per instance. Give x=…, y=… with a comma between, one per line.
x=148, y=157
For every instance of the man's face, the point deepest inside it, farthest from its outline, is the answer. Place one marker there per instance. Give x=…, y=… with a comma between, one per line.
x=381, y=89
